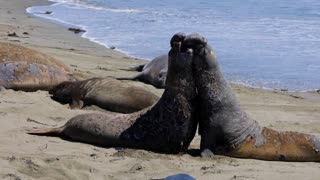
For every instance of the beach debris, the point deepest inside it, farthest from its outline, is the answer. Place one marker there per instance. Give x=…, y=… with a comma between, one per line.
x=13, y=34
x=135, y=168
x=296, y=96
x=25, y=33
x=76, y=30
x=48, y=12
x=112, y=47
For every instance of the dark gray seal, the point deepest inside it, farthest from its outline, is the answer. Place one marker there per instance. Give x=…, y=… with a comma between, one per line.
x=226, y=129
x=167, y=127
x=154, y=73
x=106, y=93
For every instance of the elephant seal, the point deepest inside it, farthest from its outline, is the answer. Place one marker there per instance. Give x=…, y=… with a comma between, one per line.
x=106, y=93
x=153, y=73
x=167, y=127
x=14, y=53
x=226, y=129
x=28, y=76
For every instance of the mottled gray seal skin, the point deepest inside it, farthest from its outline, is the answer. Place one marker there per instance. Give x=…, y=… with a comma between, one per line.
x=167, y=127
x=226, y=129
x=106, y=93
x=154, y=73
x=27, y=76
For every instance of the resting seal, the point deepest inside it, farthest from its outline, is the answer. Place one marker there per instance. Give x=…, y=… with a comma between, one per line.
x=226, y=129
x=106, y=93
x=167, y=127
x=154, y=73
x=14, y=53
x=28, y=76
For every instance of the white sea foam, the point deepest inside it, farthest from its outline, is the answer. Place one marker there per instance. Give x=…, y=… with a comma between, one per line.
x=88, y=5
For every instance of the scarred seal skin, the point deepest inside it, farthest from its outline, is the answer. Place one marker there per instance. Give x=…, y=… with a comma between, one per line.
x=15, y=53
x=226, y=129
x=154, y=73
x=106, y=93
x=167, y=127
x=28, y=76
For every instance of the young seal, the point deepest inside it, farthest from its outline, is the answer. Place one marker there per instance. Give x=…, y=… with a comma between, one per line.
x=106, y=93
x=167, y=127
x=226, y=129
x=27, y=76
x=14, y=53
x=154, y=73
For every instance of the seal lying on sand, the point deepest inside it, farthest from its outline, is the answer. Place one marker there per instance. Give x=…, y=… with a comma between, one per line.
x=106, y=93
x=226, y=129
x=14, y=53
x=167, y=127
x=28, y=76
x=154, y=73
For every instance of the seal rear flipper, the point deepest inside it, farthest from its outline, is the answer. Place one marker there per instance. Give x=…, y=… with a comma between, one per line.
x=138, y=68
x=47, y=131
x=134, y=78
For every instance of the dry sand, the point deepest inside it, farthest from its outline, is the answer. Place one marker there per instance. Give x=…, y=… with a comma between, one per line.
x=23, y=156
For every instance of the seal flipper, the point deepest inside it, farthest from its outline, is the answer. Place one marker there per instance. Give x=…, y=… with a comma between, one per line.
x=138, y=68
x=76, y=104
x=134, y=78
x=47, y=132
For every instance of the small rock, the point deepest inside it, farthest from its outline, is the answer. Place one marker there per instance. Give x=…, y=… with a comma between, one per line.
x=48, y=12
x=14, y=34
x=112, y=47
x=76, y=30
x=25, y=33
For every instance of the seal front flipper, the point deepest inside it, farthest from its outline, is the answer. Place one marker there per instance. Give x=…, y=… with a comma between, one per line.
x=76, y=104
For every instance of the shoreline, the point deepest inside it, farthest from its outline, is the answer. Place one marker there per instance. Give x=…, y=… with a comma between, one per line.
x=83, y=35
x=23, y=156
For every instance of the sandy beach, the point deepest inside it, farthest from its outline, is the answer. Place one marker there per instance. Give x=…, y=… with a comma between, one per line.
x=23, y=156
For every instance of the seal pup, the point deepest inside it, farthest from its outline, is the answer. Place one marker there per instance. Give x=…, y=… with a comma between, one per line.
x=28, y=76
x=226, y=129
x=154, y=72
x=106, y=93
x=167, y=127
x=15, y=53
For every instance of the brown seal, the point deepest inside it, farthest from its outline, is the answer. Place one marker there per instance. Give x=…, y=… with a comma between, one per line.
x=106, y=93
x=15, y=53
x=226, y=129
x=167, y=127
x=28, y=76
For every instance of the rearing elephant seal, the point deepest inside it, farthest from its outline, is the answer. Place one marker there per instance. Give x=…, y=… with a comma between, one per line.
x=167, y=127
x=154, y=73
x=226, y=129
x=106, y=93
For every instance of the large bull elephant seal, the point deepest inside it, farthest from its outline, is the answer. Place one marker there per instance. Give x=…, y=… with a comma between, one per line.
x=106, y=93
x=27, y=76
x=226, y=129
x=167, y=127
x=15, y=53
x=154, y=73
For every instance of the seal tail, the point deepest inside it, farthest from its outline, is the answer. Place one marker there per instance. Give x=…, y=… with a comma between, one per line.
x=47, y=131
x=280, y=146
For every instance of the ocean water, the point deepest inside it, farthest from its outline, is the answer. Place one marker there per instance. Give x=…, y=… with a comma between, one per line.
x=260, y=43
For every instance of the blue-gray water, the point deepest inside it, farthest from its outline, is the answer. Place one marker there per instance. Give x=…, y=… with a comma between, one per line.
x=261, y=43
